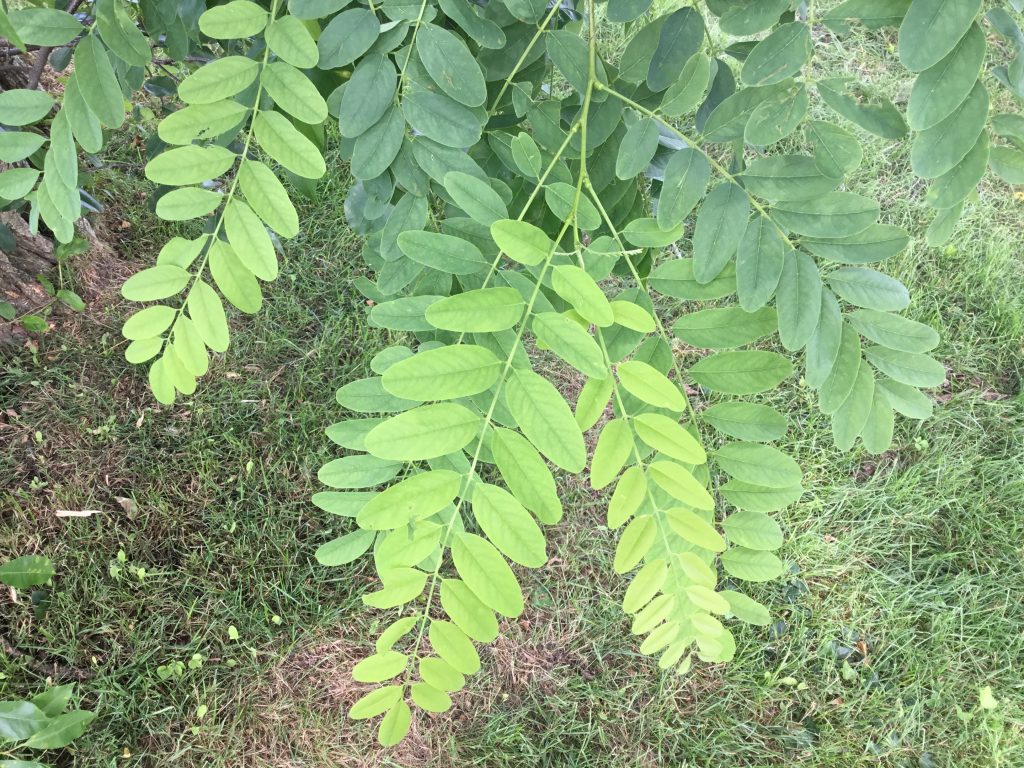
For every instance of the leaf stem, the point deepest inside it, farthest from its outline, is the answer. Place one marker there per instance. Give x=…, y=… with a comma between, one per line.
x=412, y=42
x=598, y=331
x=488, y=419
x=658, y=513
x=533, y=196
x=640, y=283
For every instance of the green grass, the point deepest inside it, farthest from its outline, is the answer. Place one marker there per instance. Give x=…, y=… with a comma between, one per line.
x=904, y=597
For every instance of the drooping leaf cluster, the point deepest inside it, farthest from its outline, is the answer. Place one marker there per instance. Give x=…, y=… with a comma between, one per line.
x=525, y=194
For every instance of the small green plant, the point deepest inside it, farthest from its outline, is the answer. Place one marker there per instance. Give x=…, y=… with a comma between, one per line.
x=173, y=669
x=176, y=669
x=121, y=564
x=35, y=321
x=40, y=723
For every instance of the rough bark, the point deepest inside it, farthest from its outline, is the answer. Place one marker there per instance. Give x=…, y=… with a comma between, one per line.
x=32, y=256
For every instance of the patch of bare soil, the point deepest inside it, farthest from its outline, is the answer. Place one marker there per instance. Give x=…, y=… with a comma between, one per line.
x=101, y=270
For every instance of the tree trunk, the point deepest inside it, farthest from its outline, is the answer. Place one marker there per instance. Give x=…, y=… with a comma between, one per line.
x=33, y=255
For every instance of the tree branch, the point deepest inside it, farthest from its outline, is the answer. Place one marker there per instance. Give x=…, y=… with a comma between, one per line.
x=38, y=65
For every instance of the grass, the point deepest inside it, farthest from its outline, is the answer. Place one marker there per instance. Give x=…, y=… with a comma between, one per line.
x=903, y=601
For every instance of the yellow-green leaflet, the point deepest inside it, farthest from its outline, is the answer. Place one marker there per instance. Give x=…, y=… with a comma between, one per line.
x=237, y=18
x=578, y=288
x=650, y=385
x=424, y=433
x=487, y=575
x=414, y=498
x=521, y=241
x=218, y=80
x=509, y=526
x=545, y=419
x=445, y=373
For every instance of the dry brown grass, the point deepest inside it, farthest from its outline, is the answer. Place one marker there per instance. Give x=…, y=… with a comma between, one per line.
x=297, y=717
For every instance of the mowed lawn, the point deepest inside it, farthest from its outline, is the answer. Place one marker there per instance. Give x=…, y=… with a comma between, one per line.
x=203, y=632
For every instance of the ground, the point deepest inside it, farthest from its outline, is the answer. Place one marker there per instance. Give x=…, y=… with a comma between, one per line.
x=190, y=609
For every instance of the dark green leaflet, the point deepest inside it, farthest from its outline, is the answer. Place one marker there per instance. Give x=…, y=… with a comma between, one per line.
x=720, y=226
x=681, y=35
x=932, y=28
